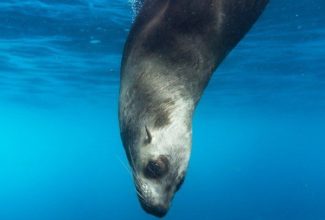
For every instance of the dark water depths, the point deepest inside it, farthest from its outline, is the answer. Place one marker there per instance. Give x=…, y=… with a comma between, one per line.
x=259, y=131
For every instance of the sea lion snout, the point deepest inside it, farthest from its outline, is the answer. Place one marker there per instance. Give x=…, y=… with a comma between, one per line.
x=154, y=200
x=157, y=184
x=159, y=210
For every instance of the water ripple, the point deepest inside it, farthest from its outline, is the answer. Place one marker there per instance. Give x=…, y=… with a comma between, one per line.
x=54, y=49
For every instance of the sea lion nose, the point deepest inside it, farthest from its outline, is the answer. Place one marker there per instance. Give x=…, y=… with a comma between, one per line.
x=157, y=168
x=157, y=210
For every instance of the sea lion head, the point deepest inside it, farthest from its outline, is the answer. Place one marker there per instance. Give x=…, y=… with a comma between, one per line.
x=156, y=132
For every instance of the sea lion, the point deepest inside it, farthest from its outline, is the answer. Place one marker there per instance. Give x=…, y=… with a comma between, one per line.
x=172, y=50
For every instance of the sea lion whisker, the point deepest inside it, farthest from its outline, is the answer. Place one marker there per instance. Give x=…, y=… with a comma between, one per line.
x=134, y=171
x=132, y=161
x=124, y=165
x=140, y=195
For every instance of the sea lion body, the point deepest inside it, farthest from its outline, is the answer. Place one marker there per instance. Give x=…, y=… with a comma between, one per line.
x=172, y=50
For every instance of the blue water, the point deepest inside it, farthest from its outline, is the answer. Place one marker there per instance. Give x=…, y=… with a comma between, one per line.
x=258, y=136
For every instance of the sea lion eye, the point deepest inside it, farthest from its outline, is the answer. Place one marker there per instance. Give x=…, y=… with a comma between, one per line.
x=157, y=168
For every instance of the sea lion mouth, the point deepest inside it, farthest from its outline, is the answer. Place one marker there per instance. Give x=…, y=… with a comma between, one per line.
x=151, y=206
x=156, y=210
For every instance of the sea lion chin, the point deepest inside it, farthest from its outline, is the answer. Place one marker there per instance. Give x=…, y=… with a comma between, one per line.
x=172, y=50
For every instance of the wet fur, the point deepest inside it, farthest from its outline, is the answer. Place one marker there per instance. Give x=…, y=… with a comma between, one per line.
x=172, y=50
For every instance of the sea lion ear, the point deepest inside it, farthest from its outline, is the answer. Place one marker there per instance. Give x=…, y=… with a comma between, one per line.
x=149, y=136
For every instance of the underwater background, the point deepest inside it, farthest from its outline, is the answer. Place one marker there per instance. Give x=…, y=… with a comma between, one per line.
x=258, y=132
